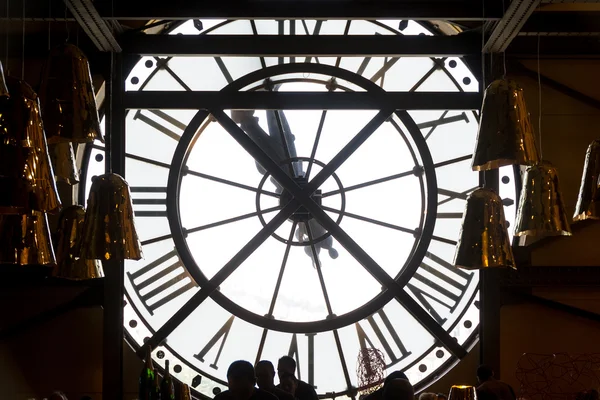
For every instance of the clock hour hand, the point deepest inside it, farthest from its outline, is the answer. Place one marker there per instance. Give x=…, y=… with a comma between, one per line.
x=249, y=123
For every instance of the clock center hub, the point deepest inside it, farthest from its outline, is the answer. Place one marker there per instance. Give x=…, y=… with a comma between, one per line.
x=301, y=214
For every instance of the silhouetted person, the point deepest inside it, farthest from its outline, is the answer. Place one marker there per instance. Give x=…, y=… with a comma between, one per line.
x=289, y=383
x=428, y=396
x=241, y=380
x=398, y=389
x=304, y=391
x=265, y=379
x=491, y=388
x=378, y=394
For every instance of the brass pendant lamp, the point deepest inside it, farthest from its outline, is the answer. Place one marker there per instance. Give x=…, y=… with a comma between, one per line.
x=483, y=240
x=505, y=134
x=588, y=201
x=67, y=97
x=108, y=229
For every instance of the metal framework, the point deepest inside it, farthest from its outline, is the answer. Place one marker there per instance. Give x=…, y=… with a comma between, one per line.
x=300, y=9
x=303, y=45
x=302, y=100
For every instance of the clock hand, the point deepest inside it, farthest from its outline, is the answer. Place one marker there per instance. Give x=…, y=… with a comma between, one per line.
x=281, y=134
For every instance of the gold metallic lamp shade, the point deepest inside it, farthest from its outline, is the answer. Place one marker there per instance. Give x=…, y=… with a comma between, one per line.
x=184, y=392
x=588, y=201
x=63, y=162
x=462, y=392
x=67, y=95
x=109, y=229
x=505, y=133
x=541, y=210
x=25, y=240
x=3, y=88
x=484, y=240
x=67, y=243
x=26, y=174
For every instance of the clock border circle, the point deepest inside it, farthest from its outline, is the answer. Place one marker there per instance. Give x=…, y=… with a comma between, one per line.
x=176, y=172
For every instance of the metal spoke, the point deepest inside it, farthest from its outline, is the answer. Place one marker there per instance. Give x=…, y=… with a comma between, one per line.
x=454, y=195
x=313, y=152
x=176, y=319
x=233, y=219
x=350, y=148
x=370, y=220
x=317, y=261
x=231, y=183
x=386, y=66
x=288, y=247
x=369, y=183
x=163, y=63
x=452, y=161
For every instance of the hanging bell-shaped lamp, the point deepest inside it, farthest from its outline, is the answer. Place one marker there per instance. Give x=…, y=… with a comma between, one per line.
x=462, y=392
x=26, y=174
x=588, y=201
x=63, y=162
x=505, y=135
x=67, y=96
x=484, y=240
x=25, y=240
x=541, y=210
x=184, y=392
x=109, y=230
x=3, y=88
x=68, y=236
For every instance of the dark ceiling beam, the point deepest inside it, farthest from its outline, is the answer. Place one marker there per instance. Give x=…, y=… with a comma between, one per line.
x=93, y=25
x=509, y=26
x=305, y=45
x=584, y=22
x=302, y=101
x=555, y=46
x=302, y=9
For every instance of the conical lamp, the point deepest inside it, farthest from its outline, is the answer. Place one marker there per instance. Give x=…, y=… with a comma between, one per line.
x=68, y=236
x=67, y=96
x=588, y=201
x=184, y=392
x=462, y=392
x=27, y=180
x=541, y=210
x=109, y=230
x=3, y=89
x=25, y=240
x=63, y=162
x=505, y=135
x=483, y=241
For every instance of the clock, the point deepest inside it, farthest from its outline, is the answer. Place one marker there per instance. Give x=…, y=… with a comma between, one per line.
x=322, y=232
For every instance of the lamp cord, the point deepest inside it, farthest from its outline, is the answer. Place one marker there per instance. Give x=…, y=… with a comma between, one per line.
x=23, y=43
x=539, y=76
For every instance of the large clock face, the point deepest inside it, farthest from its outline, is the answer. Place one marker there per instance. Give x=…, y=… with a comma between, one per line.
x=300, y=276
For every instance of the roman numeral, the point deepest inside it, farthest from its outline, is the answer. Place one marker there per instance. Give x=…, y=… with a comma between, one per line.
x=154, y=198
x=440, y=293
x=294, y=353
x=443, y=120
x=366, y=342
x=153, y=272
x=159, y=126
x=221, y=336
x=316, y=31
x=224, y=69
x=452, y=195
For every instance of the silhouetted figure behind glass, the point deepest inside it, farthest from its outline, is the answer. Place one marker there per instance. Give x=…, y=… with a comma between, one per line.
x=427, y=396
x=265, y=379
x=398, y=389
x=378, y=394
x=289, y=383
x=287, y=366
x=241, y=380
x=491, y=388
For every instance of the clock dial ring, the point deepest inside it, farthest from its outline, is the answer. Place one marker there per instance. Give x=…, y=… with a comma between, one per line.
x=427, y=221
